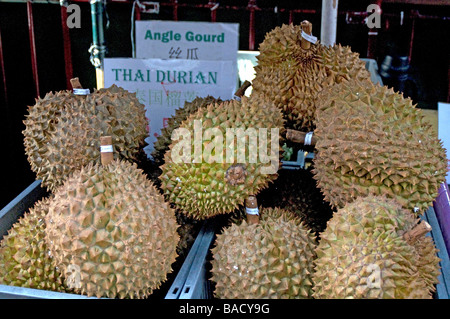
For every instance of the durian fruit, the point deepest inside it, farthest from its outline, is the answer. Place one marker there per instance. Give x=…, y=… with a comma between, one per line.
x=272, y=259
x=187, y=230
x=372, y=140
x=164, y=139
x=208, y=170
x=365, y=252
x=25, y=260
x=292, y=71
x=111, y=232
x=296, y=191
x=60, y=128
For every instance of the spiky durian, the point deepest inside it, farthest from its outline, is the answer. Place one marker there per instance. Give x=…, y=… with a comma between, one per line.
x=187, y=231
x=291, y=76
x=220, y=155
x=364, y=253
x=60, y=128
x=372, y=140
x=164, y=139
x=111, y=229
x=25, y=260
x=296, y=191
x=272, y=259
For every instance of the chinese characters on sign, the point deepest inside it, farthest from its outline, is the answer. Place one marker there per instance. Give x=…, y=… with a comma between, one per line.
x=176, y=62
x=191, y=53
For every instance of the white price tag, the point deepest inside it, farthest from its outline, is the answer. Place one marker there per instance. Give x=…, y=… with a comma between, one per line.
x=308, y=138
x=81, y=91
x=252, y=211
x=106, y=148
x=308, y=37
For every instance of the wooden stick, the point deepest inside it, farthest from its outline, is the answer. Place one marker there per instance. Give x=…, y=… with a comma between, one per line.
x=416, y=232
x=106, y=150
x=241, y=91
x=251, y=204
x=76, y=83
x=307, y=28
x=299, y=137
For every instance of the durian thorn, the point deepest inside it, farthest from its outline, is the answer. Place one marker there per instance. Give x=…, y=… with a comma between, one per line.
x=299, y=137
x=307, y=28
x=416, y=232
x=75, y=82
x=241, y=91
x=251, y=204
x=106, y=154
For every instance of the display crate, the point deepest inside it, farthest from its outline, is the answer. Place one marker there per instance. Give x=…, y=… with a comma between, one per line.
x=16, y=209
x=198, y=285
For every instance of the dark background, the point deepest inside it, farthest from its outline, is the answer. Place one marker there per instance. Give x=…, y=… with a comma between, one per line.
x=429, y=67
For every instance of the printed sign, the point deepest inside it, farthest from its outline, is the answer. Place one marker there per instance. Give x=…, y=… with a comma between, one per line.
x=165, y=85
x=187, y=40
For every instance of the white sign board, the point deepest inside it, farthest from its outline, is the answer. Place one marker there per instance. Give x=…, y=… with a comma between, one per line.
x=444, y=129
x=165, y=85
x=187, y=40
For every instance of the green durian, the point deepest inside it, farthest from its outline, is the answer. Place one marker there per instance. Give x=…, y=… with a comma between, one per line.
x=214, y=163
x=25, y=259
x=163, y=140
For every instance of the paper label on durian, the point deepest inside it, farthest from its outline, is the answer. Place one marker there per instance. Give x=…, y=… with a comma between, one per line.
x=308, y=37
x=165, y=85
x=81, y=91
x=106, y=149
x=308, y=138
x=252, y=211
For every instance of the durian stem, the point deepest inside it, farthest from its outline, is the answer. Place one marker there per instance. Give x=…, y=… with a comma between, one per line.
x=307, y=28
x=416, y=232
x=251, y=204
x=241, y=91
x=76, y=83
x=106, y=153
x=299, y=137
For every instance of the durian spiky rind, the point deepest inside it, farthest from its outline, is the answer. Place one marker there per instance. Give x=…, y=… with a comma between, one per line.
x=363, y=254
x=291, y=77
x=62, y=130
x=199, y=186
x=25, y=260
x=273, y=259
x=111, y=227
x=372, y=140
x=163, y=140
x=296, y=191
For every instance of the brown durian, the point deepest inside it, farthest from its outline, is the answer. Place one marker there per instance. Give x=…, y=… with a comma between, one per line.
x=291, y=73
x=365, y=252
x=272, y=259
x=372, y=140
x=59, y=129
x=110, y=229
